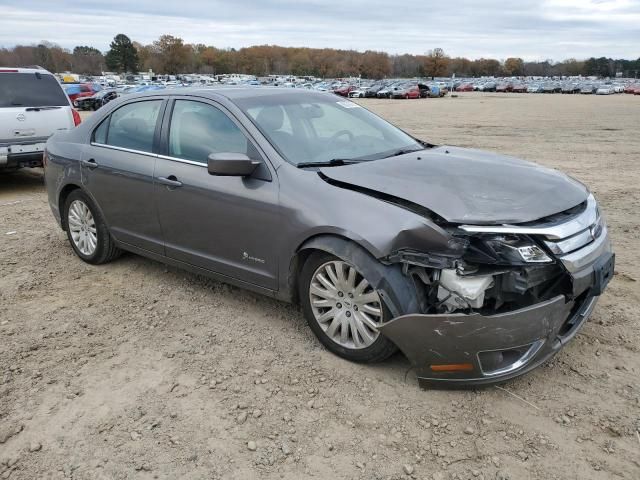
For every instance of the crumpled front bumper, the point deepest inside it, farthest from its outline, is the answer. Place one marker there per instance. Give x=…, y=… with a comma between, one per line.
x=461, y=349
x=475, y=349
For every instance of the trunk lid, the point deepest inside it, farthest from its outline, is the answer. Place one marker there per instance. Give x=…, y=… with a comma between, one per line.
x=19, y=124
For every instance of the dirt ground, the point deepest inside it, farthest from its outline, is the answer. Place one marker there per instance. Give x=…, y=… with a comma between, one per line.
x=138, y=370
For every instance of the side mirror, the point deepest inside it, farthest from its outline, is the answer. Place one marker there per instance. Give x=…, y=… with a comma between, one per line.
x=231, y=164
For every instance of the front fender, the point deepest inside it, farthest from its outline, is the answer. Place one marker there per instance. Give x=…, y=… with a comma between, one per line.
x=396, y=289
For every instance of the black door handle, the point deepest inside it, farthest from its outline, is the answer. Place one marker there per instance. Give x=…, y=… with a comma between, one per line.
x=91, y=163
x=170, y=181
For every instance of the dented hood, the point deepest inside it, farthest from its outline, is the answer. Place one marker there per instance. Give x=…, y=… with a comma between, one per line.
x=466, y=186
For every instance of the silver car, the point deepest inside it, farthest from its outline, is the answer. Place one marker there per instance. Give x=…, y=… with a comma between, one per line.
x=478, y=267
x=33, y=106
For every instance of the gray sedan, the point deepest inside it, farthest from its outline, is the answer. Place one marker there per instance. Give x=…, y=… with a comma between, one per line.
x=478, y=267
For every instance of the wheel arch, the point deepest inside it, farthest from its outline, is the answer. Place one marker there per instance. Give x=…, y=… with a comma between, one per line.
x=62, y=199
x=395, y=288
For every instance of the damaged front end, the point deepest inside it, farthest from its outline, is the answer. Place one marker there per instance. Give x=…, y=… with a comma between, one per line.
x=505, y=299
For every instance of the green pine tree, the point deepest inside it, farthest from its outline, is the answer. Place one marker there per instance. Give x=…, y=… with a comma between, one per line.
x=123, y=56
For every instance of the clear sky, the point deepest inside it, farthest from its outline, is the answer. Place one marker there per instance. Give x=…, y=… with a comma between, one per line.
x=533, y=30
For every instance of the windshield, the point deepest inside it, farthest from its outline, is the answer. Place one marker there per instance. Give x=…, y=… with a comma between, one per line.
x=30, y=90
x=319, y=127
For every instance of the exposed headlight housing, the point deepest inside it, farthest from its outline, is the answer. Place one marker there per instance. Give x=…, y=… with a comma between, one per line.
x=505, y=250
x=533, y=254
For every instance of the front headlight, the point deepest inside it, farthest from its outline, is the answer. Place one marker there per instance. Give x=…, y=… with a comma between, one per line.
x=597, y=228
x=505, y=250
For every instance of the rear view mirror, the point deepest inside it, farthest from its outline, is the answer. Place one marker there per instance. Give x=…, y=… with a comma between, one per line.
x=312, y=111
x=231, y=164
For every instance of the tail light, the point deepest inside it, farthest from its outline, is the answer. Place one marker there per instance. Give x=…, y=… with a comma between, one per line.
x=76, y=117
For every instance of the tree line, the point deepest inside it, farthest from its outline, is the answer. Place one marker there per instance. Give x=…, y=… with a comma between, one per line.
x=171, y=55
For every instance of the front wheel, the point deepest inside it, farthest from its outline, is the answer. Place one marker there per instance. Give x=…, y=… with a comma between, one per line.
x=87, y=231
x=343, y=309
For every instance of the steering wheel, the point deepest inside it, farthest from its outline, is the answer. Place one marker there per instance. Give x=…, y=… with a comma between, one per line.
x=340, y=133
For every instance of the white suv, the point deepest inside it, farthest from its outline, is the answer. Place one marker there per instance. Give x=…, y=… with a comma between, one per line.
x=33, y=106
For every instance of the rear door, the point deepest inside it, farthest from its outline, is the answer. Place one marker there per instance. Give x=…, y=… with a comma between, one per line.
x=33, y=107
x=118, y=167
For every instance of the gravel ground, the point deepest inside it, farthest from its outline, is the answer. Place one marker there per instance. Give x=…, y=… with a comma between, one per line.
x=139, y=370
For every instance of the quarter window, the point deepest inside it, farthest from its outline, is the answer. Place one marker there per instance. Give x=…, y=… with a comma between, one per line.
x=199, y=129
x=100, y=133
x=133, y=126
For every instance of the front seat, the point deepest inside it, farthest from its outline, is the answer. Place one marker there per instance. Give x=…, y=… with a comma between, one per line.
x=271, y=120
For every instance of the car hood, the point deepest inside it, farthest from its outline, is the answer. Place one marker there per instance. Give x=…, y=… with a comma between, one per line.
x=464, y=185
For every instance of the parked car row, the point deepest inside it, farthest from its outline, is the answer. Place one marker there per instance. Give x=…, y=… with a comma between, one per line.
x=355, y=87
x=407, y=89
x=575, y=86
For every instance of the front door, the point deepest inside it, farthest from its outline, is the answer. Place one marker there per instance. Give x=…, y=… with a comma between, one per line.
x=117, y=169
x=228, y=225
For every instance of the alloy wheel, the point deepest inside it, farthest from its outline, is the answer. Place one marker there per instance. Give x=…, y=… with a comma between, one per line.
x=82, y=227
x=345, y=305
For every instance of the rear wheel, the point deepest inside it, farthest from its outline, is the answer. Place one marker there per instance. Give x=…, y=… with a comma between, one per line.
x=343, y=309
x=87, y=231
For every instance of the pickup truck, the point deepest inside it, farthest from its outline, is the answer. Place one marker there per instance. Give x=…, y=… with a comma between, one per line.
x=33, y=106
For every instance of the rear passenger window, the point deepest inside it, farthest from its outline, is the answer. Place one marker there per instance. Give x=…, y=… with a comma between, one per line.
x=133, y=125
x=198, y=129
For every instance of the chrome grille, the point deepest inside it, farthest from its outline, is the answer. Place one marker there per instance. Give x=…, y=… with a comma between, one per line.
x=551, y=231
x=576, y=242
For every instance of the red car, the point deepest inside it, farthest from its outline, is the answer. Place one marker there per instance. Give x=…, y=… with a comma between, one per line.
x=632, y=89
x=344, y=90
x=519, y=88
x=79, y=90
x=465, y=87
x=409, y=90
x=504, y=87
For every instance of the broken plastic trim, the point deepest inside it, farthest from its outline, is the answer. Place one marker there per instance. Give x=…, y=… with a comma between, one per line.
x=421, y=259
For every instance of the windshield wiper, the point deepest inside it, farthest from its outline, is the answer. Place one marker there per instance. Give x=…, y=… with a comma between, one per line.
x=403, y=151
x=334, y=162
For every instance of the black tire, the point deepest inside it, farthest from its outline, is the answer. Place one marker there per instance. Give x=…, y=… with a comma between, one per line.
x=106, y=249
x=378, y=351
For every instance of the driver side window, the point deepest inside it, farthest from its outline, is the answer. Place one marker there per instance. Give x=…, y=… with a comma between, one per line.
x=198, y=129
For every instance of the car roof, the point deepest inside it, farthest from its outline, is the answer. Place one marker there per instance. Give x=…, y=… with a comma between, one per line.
x=26, y=70
x=230, y=92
